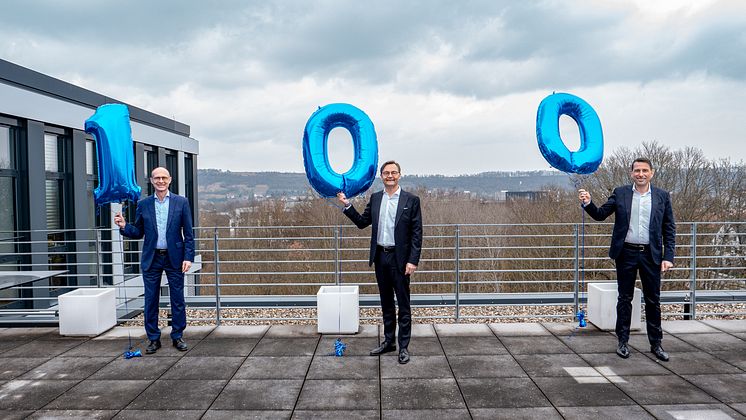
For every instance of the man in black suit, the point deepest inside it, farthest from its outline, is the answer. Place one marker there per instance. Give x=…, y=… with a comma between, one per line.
x=643, y=239
x=395, y=247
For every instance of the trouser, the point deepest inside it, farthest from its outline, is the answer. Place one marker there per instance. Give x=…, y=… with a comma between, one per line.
x=152, y=285
x=392, y=282
x=629, y=262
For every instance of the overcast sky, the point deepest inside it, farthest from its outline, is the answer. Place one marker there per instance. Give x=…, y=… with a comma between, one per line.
x=452, y=87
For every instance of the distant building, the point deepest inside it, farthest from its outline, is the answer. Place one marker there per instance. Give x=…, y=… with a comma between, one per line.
x=526, y=195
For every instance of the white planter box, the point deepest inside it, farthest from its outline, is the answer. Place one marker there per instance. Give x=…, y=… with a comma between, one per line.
x=602, y=299
x=338, y=309
x=87, y=311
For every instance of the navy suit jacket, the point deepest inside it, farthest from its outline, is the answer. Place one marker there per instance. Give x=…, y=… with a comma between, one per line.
x=662, y=225
x=407, y=227
x=179, y=236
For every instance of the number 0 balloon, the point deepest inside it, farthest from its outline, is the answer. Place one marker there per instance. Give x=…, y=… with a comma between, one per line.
x=587, y=159
x=110, y=125
x=322, y=177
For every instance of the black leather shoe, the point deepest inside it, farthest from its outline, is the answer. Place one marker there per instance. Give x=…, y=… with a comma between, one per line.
x=153, y=346
x=403, y=356
x=658, y=351
x=180, y=344
x=622, y=350
x=385, y=347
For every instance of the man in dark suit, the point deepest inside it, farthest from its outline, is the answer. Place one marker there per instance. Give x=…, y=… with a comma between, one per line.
x=643, y=239
x=165, y=220
x=395, y=247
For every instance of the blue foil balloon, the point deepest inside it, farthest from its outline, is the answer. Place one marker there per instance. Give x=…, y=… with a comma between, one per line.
x=110, y=126
x=320, y=174
x=587, y=159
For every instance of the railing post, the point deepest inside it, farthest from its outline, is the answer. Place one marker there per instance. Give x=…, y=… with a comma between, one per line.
x=337, y=268
x=217, y=278
x=576, y=263
x=693, y=274
x=98, y=258
x=458, y=271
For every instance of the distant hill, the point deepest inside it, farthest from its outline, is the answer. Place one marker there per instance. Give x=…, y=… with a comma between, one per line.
x=217, y=185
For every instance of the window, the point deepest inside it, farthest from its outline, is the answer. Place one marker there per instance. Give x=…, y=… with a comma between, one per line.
x=189, y=181
x=173, y=168
x=59, y=203
x=151, y=162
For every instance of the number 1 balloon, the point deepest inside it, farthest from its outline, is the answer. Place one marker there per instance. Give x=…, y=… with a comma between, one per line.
x=110, y=125
x=587, y=159
x=321, y=176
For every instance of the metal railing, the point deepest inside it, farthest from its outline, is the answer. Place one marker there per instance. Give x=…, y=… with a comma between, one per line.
x=462, y=266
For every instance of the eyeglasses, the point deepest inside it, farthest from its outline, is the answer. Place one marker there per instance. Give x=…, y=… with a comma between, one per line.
x=387, y=173
x=160, y=178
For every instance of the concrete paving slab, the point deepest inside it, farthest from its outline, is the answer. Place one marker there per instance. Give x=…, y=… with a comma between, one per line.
x=485, y=366
x=535, y=345
x=217, y=367
x=285, y=347
x=518, y=329
x=425, y=346
x=246, y=414
x=167, y=349
x=472, y=345
x=686, y=327
x=136, y=368
x=104, y=348
x=239, y=331
x=735, y=358
x=727, y=325
x=356, y=346
x=159, y=414
x=365, y=330
x=73, y=414
x=697, y=363
x=67, y=368
x=396, y=394
x=419, y=330
x=122, y=332
x=291, y=331
x=99, y=395
x=742, y=336
x=693, y=412
x=625, y=412
x=192, y=394
x=274, y=367
x=43, y=348
x=264, y=394
x=714, y=342
x=361, y=394
x=463, y=330
x=27, y=333
x=418, y=367
x=670, y=343
x=668, y=389
x=6, y=345
x=741, y=408
x=637, y=364
x=567, y=392
x=502, y=393
x=336, y=414
x=544, y=413
x=444, y=413
x=13, y=367
x=31, y=395
x=223, y=347
x=568, y=328
x=549, y=364
x=192, y=332
x=726, y=388
x=15, y=414
x=331, y=367
x=590, y=343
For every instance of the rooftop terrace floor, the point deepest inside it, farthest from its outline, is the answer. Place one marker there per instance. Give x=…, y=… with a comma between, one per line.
x=457, y=371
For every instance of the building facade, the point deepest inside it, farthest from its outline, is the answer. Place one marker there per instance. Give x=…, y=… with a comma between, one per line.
x=48, y=172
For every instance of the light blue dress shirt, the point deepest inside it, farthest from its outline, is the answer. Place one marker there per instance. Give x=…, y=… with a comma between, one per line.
x=161, y=219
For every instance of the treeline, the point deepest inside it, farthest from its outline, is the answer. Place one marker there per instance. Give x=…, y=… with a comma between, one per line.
x=487, y=245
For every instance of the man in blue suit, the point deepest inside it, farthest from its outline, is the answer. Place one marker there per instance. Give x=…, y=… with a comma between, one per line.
x=165, y=220
x=643, y=239
x=395, y=247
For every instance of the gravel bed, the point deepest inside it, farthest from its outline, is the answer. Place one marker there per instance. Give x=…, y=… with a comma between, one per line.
x=438, y=315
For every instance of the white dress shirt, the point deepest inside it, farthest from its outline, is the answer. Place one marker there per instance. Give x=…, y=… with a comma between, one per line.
x=639, y=219
x=387, y=218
